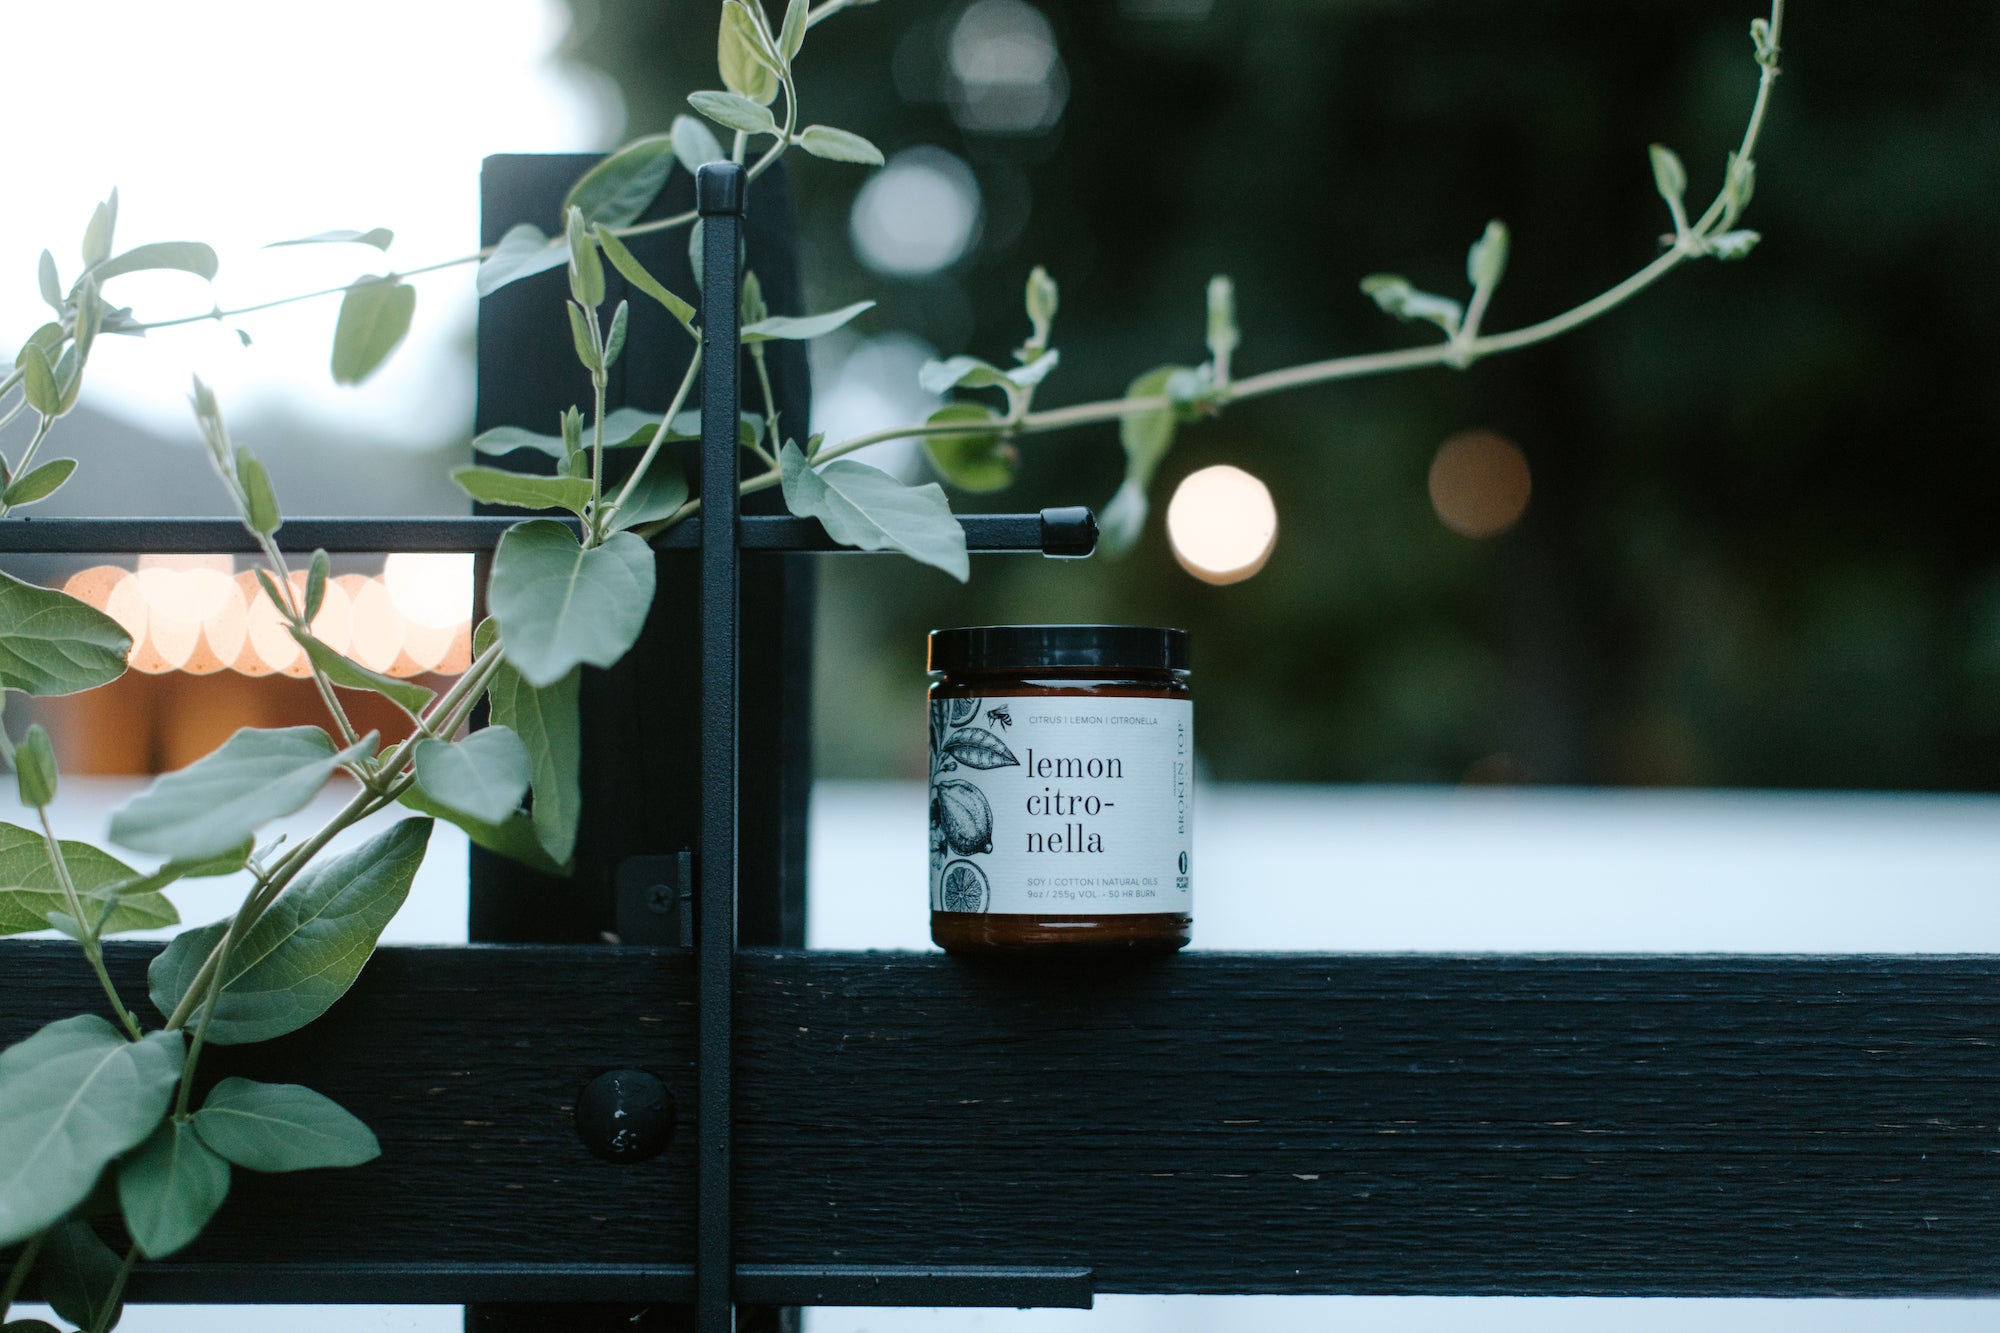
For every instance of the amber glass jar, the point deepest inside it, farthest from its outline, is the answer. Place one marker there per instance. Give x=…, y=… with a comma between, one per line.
x=1061, y=789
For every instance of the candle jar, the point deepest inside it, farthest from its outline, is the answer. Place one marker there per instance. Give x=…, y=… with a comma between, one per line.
x=1061, y=788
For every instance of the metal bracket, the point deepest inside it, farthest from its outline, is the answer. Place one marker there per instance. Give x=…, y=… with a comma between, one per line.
x=655, y=900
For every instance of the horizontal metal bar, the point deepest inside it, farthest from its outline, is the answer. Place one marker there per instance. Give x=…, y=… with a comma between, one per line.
x=182, y=1283
x=1053, y=532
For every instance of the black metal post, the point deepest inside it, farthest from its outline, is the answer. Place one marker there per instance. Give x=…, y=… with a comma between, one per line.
x=719, y=198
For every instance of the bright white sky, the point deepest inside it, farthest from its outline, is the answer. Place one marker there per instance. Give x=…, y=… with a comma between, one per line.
x=241, y=122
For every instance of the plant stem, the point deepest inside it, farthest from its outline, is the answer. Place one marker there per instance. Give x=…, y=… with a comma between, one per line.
x=594, y=535
x=1458, y=353
x=17, y=1277
x=666, y=424
x=103, y=1322
x=262, y=894
x=28, y=454
x=88, y=937
x=219, y=314
x=296, y=611
x=770, y=405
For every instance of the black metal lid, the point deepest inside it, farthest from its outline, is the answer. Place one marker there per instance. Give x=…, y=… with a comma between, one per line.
x=1026, y=647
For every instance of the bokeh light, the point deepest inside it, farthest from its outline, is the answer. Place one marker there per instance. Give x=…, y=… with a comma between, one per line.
x=918, y=214
x=1005, y=74
x=198, y=615
x=1222, y=524
x=1479, y=483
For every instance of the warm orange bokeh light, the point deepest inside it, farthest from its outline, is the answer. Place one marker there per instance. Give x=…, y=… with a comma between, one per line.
x=1479, y=483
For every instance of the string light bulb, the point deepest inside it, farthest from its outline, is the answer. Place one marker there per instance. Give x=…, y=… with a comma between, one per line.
x=1222, y=524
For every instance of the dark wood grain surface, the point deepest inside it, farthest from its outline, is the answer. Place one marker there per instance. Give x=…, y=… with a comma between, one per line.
x=1204, y=1123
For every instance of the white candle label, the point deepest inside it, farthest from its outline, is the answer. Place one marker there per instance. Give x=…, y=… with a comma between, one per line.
x=1061, y=805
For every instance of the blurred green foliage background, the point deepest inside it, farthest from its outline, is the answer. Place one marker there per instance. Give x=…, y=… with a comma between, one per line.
x=1761, y=548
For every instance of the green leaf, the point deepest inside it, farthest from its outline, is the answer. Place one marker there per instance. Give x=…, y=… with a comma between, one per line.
x=90, y=314
x=559, y=605
x=51, y=643
x=316, y=584
x=1760, y=40
x=1669, y=176
x=1739, y=182
x=79, y=1272
x=186, y=256
x=865, y=507
x=262, y=514
x=695, y=144
x=622, y=259
x=751, y=306
x=1035, y=371
x=379, y=237
x=797, y=327
x=50, y=282
x=624, y=428
x=1042, y=300
x=48, y=337
x=792, y=35
x=838, y=145
x=73, y=1096
x=546, y=721
x=29, y=1326
x=69, y=379
x=586, y=271
x=960, y=372
x=1147, y=435
x=137, y=887
x=344, y=671
x=278, y=597
x=579, y=332
x=38, y=382
x=1733, y=244
x=1223, y=336
x=222, y=798
x=522, y=252
x=978, y=461
x=40, y=484
x=696, y=252
x=97, y=236
x=282, y=1127
x=374, y=316
x=29, y=889
x=1397, y=297
x=623, y=186
x=744, y=55
x=1486, y=261
x=169, y=1189
x=492, y=485
x=483, y=776
x=304, y=952
x=659, y=493
x=515, y=836
x=1122, y=520
x=614, y=341
x=734, y=111
x=35, y=768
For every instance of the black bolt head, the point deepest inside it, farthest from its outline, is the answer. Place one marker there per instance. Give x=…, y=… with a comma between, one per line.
x=625, y=1115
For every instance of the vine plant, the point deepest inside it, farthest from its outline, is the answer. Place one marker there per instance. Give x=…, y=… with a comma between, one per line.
x=97, y=1113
